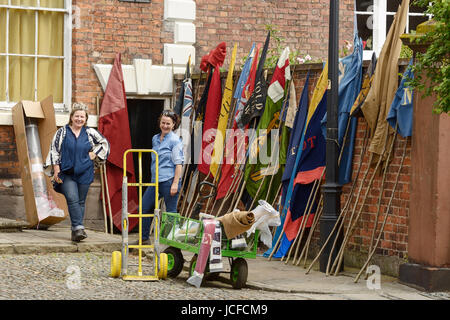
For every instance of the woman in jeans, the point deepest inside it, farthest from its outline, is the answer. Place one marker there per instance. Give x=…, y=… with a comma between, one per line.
x=170, y=156
x=71, y=158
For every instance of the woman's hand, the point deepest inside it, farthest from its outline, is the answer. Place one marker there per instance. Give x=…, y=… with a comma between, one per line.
x=92, y=155
x=176, y=179
x=174, y=189
x=56, y=171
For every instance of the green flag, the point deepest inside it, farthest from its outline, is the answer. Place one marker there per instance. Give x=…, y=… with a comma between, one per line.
x=262, y=174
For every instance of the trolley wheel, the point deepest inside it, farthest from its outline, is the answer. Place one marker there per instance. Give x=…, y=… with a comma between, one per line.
x=163, y=260
x=239, y=273
x=175, y=261
x=116, y=264
x=192, y=265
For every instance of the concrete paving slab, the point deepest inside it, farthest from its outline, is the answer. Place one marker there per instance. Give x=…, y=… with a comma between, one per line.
x=262, y=273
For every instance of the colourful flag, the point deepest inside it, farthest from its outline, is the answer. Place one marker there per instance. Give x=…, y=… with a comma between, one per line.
x=291, y=111
x=401, y=112
x=350, y=74
x=366, y=84
x=179, y=106
x=384, y=85
x=184, y=108
x=223, y=118
x=113, y=124
x=308, y=166
x=257, y=172
x=234, y=153
x=349, y=87
x=245, y=73
x=213, y=60
x=295, y=140
x=255, y=105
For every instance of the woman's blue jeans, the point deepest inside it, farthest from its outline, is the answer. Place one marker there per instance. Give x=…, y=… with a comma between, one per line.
x=75, y=194
x=148, y=203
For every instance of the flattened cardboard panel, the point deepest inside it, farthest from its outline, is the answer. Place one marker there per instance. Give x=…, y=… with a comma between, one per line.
x=24, y=163
x=46, y=129
x=47, y=125
x=32, y=109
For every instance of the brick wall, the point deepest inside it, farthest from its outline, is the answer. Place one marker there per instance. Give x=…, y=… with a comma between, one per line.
x=137, y=30
x=9, y=168
x=107, y=27
x=303, y=24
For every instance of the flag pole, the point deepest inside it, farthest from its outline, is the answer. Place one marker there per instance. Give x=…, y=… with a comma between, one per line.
x=102, y=182
x=372, y=251
x=305, y=219
x=311, y=232
x=331, y=189
x=191, y=120
x=344, y=211
x=340, y=256
x=308, y=207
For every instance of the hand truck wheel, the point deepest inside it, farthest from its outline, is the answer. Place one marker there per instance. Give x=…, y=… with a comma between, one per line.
x=116, y=264
x=163, y=261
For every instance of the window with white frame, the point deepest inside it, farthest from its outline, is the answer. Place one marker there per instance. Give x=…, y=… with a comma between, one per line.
x=35, y=51
x=374, y=18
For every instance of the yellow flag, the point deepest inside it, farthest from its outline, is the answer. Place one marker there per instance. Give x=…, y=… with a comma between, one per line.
x=223, y=118
x=319, y=91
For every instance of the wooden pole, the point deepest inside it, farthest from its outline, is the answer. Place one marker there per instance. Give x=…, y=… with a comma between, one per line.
x=342, y=216
x=304, y=223
x=308, y=205
x=109, y=201
x=350, y=230
x=380, y=196
x=311, y=232
x=372, y=252
x=347, y=204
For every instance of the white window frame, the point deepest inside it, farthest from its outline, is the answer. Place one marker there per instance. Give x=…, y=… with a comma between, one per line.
x=379, y=15
x=66, y=57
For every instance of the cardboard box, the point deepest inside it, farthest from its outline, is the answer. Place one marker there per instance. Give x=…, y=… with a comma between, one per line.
x=43, y=115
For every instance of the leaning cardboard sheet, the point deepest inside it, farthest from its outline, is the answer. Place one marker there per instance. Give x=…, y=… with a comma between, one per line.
x=34, y=127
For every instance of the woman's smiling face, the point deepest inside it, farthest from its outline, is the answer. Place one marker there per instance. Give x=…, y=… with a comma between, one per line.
x=79, y=118
x=166, y=125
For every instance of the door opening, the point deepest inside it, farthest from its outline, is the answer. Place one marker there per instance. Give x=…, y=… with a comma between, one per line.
x=143, y=117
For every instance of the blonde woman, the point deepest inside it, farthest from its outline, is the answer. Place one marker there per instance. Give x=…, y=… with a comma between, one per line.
x=74, y=149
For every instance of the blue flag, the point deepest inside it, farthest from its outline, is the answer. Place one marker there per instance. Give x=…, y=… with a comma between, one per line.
x=295, y=140
x=309, y=168
x=402, y=106
x=310, y=131
x=243, y=77
x=350, y=78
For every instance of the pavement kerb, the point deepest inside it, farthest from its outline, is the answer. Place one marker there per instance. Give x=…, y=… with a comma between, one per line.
x=58, y=248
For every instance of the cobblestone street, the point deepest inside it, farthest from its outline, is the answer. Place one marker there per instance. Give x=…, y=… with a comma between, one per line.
x=85, y=276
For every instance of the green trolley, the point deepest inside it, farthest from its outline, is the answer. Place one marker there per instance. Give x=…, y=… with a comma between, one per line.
x=180, y=233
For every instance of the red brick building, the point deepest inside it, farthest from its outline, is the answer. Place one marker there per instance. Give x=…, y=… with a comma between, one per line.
x=155, y=38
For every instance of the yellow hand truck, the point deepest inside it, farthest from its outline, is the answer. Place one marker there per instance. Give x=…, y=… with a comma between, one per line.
x=119, y=259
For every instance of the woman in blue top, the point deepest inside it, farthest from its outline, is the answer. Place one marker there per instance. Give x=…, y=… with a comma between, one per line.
x=170, y=156
x=70, y=162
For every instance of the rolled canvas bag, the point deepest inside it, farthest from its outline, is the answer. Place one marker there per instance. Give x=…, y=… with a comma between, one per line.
x=236, y=222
